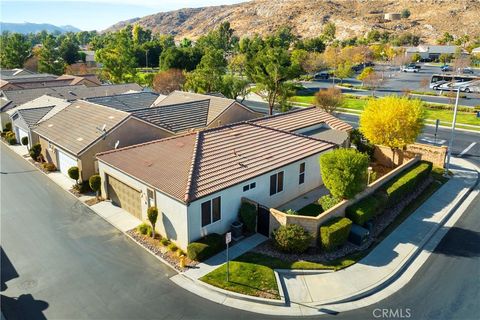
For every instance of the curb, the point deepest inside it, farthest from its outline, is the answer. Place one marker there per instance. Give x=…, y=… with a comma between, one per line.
x=408, y=260
x=95, y=211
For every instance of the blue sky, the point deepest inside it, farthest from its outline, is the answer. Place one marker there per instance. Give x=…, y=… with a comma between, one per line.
x=92, y=15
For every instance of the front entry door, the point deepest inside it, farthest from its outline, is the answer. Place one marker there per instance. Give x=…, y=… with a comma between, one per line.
x=263, y=221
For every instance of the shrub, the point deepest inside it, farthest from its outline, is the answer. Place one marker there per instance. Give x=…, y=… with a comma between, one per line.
x=172, y=247
x=344, y=172
x=95, y=183
x=152, y=214
x=144, y=229
x=292, y=212
x=327, y=201
x=292, y=238
x=248, y=215
x=329, y=100
x=165, y=241
x=12, y=140
x=361, y=143
x=205, y=247
x=334, y=233
x=24, y=141
x=406, y=182
x=82, y=187
x=50, y=167
x=8, y=126
x=366, y=209
x=74, y=173
x=35, y=151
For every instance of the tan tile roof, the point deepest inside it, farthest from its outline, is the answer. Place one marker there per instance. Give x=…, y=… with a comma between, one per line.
x=302, y=118
x=77, y=126
x=216, y=104
x=195, y=165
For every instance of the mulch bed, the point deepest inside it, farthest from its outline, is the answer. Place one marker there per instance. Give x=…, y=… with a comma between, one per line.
x=154, y=246
x=315, y=254
x=91, y=202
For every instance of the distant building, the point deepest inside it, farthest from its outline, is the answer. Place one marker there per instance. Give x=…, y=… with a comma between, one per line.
x=392, y=16
x=430, y=51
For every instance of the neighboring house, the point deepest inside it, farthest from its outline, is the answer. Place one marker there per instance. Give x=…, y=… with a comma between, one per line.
x=10, y=99
x=127, y=102
x=197, y=180
x=74, y=135
x=26, y=116
x=14, y=72
x=90, y=80
x=90, y=58
x=215, y=111
x=31, y=81
x=312, y=122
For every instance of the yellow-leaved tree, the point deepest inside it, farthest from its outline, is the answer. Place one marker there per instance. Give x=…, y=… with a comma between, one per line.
x=392, y=121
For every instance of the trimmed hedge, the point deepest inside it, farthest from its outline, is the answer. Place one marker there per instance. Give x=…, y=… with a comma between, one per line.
x=145, y=229
x=24, y=141
x=35, y=151
x=292, y=238
x=407, y=181
x=205, y=247
x=334, y=233
x=366, y=209
x=327, y=201
x=248, y=215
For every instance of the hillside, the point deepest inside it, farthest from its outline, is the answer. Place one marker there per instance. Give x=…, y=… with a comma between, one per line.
x=429, y=18
x=28, y=27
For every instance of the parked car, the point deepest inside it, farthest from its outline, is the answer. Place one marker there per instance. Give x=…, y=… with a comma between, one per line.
x=446, y=68
x=321, y=75
x=467, y=70
x=409, y=69
x=413, y=65
x=425, y=60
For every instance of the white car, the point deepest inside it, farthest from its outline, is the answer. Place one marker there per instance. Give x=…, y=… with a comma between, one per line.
x=409, y=69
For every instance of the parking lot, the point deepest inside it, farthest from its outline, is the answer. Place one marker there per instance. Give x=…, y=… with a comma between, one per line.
x=398, y=82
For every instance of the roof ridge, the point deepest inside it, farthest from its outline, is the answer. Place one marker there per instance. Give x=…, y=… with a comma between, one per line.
x=180, y=103
x=193, y=166
x=281, y=114
x=290, y=132
x=145, y=143
x=122, y=94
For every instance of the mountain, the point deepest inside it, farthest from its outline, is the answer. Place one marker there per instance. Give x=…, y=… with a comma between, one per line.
x=429, y=18
x=28, y=27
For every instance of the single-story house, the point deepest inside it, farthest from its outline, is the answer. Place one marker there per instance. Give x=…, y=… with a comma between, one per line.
x=219, y=110
x=14, y=72
x=27, y=116
x=127, y=102
x=197, y=180
x=312, y=122
x=32, y=81
x=10, y=99
x=75, y=134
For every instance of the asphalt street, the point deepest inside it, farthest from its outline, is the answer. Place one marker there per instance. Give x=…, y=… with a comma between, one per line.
x=396, y=83
x=59, y=260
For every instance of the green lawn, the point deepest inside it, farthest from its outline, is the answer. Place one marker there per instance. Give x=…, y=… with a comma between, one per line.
x=312, y=210
x=252, y=273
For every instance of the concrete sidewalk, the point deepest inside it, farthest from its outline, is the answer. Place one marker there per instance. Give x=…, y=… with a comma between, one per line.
x=390, y=256
x=217, y=260
x=309, y=292
x=119, y=218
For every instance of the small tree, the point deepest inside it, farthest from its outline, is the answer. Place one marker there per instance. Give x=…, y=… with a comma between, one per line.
x=392, y=121
x=416, y=57
x=167, y=81
x=95, y=183
x=35, y=151
x=405, y=13
x=344, y=71
x=445, y=57
x=329, y=100
x=74, y=174
x=152, y=214
x=344, y=172
x=365, y=73
x=374, y=80
x=24, y=141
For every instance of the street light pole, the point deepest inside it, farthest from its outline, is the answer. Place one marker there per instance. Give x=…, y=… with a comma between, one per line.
x=452, y=135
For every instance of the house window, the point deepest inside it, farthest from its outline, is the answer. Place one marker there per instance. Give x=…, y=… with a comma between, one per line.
x=211, y=211
x=249, y=186
x=151, y=198
x=301, y=176
x=15, y=117
x=276, y=183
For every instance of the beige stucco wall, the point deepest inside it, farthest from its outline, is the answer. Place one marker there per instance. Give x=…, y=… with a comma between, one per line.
x=312, y=224
x=131, y=132
x=234, y=113
x=433, y=154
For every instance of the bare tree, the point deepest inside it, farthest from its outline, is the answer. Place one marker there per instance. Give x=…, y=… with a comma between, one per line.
x=167, y=81
x=374, y=80
x=314, y=62
x=329, y=100
x=461, y=63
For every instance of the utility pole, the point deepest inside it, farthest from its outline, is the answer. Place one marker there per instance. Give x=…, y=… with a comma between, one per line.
x=452, y=135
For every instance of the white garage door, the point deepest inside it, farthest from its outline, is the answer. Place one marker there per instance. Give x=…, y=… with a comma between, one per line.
x=20, y=134
x=65, y=162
